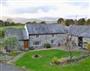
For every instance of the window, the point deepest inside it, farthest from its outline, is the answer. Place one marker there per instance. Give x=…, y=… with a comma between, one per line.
x=52, y=41
x=52, y=35
x=37, y=35
x=36, y=43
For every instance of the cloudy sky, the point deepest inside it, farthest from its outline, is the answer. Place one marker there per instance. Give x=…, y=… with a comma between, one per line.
x=45, y=8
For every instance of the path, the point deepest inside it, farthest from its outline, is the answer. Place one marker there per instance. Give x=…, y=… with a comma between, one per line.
x=16, y=58
x=59, y=48
x=8, y=67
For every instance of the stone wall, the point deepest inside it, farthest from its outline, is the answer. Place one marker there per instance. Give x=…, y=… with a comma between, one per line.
x=54, y=40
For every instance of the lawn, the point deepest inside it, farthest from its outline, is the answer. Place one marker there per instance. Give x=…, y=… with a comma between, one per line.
x=43, y=63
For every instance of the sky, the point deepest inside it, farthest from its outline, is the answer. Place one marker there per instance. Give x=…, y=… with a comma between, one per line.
x=45, y=8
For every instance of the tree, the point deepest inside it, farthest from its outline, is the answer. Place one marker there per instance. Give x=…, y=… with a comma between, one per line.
x=1, y=44
x=81, y=21
x=1, y=22
x=60, y=21
x=88, y=22
x=42, y=22
x=69, y=45
x=6, y=23
x=34, y=22
x=28, y=22
x=69, y=22
x=1, y=33
x=10, y=43
x=12, y=23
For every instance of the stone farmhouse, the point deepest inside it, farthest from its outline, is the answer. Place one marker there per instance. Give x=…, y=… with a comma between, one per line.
x=36, y=35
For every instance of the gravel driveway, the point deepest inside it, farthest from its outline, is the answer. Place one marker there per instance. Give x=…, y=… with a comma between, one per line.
x=8, y=67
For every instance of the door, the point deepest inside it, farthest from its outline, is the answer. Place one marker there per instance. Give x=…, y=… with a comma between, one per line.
x=26, y=44
x=80, y=42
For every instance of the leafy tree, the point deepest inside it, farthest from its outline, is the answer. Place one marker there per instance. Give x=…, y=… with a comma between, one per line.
x=34, y=22
x=42, y=22
x=88, y=22
x=69, y=22
x=6, y=23
x=28, y=22
x=12, y=23
x=81, y=21
x=1, y=22
x=60, y=21
x=1, y=33
x=10, y=43
x=1, y=44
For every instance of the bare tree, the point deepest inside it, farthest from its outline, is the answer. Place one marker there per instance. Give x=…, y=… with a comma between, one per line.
x=69, y=45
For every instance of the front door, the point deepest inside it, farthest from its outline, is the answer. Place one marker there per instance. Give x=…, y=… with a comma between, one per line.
x=26, y=44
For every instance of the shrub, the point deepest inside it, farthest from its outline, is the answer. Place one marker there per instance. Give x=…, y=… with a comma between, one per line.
x=31, y=48
x=36, y=55
x=58, y=61
x=88, y=46
x=55, y=60
x=47, y=45
x=13, y=53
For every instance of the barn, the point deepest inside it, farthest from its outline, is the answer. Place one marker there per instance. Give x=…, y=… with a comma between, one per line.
x=80, y=33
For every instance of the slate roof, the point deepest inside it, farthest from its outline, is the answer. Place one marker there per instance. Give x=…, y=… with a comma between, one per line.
x=86, y=34
x=74, y=30
x=46, y=28
x=79, y=30
x=20, y=34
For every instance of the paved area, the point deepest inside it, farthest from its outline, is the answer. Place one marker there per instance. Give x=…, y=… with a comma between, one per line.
x=16, y=58
x=60, y=48
x=8, y=67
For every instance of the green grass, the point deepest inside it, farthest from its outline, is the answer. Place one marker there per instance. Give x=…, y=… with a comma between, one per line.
x=43, y=63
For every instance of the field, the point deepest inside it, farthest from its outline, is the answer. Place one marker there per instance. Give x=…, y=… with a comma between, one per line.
x=43, y=63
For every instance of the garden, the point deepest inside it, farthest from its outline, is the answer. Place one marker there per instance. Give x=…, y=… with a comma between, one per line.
x=43, y=61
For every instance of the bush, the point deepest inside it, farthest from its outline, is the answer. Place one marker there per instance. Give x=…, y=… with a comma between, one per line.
x=88, y=46
x=36, y=56
x=13, y=53
x=58, y=61
x=55, y=60
x=47, y=45
x=31, y=48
